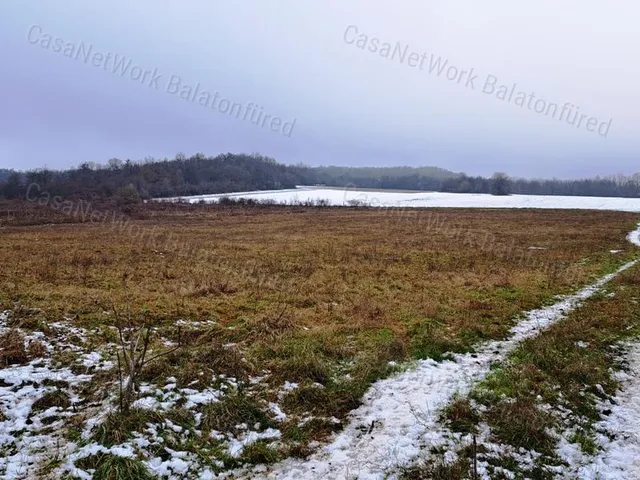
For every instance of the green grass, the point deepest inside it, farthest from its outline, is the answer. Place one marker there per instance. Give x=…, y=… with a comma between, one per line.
x=260, y=453
x=118, y=427
x=569, y=366
x=232, y=410
x=111, y=467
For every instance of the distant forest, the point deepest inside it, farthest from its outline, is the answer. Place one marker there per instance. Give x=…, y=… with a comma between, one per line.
x=199, y=175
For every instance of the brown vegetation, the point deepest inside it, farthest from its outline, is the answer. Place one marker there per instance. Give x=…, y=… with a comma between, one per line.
x=552, y=382
x=325, y=297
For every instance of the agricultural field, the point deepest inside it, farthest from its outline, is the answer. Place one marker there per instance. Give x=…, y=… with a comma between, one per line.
x=270, y=341
x=402, y=199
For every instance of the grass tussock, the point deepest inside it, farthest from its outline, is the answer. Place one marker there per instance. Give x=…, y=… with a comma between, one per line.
x=113, y=467
x=12, y=349
x=461, y=416
x=233, y=410
x=198, y=364
x=439, y=470
x=118, y=427
x=521, y=424
x=260, y=453
x=54, y=398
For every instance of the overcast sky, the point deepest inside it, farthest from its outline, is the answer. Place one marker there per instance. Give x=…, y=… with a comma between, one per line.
x=322, y=68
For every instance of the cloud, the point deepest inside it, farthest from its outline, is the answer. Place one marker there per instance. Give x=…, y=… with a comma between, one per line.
x=351, y=106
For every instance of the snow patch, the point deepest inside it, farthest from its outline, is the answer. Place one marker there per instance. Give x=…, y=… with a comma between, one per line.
x=23, y=445
x=619, y=432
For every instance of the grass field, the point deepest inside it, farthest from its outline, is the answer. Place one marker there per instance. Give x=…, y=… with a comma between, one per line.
x=279, y=317
x=544, y=403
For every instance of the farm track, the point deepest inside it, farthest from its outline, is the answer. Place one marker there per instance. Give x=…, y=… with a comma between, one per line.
x=399, y=418
x=621, y=456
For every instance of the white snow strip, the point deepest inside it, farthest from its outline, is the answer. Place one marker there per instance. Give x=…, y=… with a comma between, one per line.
x=347, y=196
x=399, y=417
x=619, y=432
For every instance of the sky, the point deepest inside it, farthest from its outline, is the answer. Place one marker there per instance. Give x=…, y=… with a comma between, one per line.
x=468, y=86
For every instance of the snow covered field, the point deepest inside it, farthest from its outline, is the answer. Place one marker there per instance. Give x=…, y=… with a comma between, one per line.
x=336, y=196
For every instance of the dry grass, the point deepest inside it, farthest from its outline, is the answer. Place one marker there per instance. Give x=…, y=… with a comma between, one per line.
x=308, y=295
x=360, y=269
x=54, y=398
x=566, y=368
x=434, y=280
x=12, y=349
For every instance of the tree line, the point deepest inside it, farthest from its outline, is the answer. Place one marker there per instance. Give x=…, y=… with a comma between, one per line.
x=225, y=173
x=619, y=186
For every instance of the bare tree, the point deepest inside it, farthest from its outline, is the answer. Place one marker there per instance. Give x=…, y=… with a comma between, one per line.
x=500, y=184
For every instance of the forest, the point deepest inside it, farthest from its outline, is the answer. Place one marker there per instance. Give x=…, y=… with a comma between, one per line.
x=224, y=173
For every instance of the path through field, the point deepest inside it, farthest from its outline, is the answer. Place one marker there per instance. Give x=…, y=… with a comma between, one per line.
x=620, y=437
x=399, y=418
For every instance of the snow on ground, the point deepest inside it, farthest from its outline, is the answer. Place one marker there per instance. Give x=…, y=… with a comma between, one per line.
x=157, y=436
x=336, y=196
x=619, y=432
x=28, y=437
x=399, y=417
x=634, y=237
x=34, y=437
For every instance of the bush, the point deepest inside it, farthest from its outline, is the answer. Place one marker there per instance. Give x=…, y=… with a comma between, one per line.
x=127, y=195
